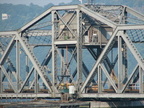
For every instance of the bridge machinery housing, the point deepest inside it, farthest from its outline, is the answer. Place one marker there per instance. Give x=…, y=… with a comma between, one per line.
x=93, y=51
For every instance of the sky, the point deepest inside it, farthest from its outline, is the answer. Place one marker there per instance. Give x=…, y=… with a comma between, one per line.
x=37, y=2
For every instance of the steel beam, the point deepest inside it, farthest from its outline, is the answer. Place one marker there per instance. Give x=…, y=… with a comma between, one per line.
x=7, y=33
x=36, y=82
x=123, y=16
x=79, y=48
x=39, y=33
x=141, y=82
x=66, y=7
x=27, y=67
x=129, y=79
x=88, y=95
x=26, y=79
x=65, y=42
x=27, y=95
x=34, y=21
x=97, y=16
x=107, y=7
x=133, y=50
x=124, y=62
x=1, y=85
x=112, y=95
x=54, y=52
x=135, y=13
x=99, y=79
x=120, y=71
x=18, y=64
x=129, y=27
x=7, y=51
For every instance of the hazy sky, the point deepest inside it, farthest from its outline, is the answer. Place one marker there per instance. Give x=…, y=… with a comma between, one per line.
x=38, y=2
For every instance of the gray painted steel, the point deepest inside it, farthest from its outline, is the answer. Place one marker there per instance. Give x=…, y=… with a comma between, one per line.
x=36, y=62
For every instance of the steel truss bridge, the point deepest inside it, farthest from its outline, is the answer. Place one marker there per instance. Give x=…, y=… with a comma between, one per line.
x=98, y=48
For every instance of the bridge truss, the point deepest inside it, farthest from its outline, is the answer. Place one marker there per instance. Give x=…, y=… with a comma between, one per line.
x=97, y=48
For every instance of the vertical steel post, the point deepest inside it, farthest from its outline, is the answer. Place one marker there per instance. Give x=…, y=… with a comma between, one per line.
x=27, y=68
x=36, y=82
x=125, y=72
x=18, y=63
x=54, y=55
x=99, y=79
x=119, y=63
x=79, y=48
x=141, y=90
x=124, y=53
x=62, y=63
x=1, y=86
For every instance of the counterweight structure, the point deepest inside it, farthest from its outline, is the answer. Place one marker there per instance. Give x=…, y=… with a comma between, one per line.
x=96, y=48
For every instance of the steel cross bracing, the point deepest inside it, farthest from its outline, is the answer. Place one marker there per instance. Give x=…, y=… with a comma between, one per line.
x=98, y=49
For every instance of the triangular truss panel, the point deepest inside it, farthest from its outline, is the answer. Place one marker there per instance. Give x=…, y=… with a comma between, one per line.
x=89, y=47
